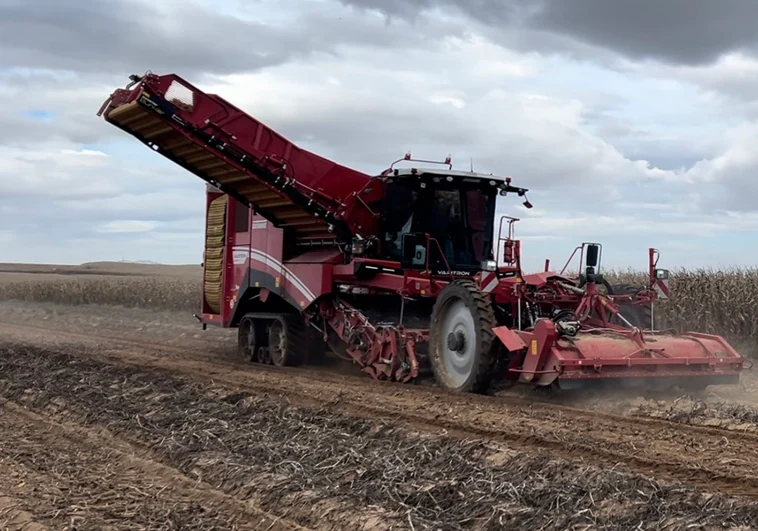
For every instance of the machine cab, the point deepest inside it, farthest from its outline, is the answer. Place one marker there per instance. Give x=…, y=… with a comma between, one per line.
x=442, y=220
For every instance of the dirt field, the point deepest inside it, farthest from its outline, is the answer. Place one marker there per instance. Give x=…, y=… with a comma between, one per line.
x=131, y=418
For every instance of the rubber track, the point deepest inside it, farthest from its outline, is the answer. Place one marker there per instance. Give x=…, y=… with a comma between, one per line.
x=296, y=343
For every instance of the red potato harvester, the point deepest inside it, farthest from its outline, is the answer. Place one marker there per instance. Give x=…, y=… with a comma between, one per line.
x=397, y=271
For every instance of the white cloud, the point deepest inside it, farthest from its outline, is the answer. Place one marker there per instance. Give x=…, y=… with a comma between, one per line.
x=586, y=139
x=441, y=98
x=382, y=108
x=127, y=226
x=55, y=172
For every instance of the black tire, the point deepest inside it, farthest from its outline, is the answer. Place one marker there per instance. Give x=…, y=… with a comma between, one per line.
x=460, y=310
x=603, y=283
x=287, y=341
x=639, y=315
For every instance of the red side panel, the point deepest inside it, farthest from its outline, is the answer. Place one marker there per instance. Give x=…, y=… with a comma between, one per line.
x=512, y=341
x=258, y=263
x=311, y=275
x=607, y=354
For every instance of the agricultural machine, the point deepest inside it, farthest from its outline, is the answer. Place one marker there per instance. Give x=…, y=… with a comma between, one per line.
x=404, y=273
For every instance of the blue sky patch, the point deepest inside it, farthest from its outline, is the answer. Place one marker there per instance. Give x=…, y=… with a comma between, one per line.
x=40, y=115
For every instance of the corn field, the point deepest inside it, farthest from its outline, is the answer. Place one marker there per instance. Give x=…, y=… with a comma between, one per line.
x=157, y=293
x=705, y=300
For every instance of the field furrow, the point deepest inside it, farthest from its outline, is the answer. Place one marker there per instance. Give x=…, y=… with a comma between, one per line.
x=99, y=403
x=659, y=448
x=323, y=468
x=72, y=477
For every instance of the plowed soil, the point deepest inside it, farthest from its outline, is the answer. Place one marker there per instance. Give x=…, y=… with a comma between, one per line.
x=125, y=419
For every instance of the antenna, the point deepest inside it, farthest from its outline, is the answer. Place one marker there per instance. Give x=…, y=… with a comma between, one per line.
x=472, y=164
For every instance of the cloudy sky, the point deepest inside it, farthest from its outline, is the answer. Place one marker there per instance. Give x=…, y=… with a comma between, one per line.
x=633, y=122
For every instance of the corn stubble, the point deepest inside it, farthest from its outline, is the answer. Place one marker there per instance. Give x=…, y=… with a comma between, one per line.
x=706, y=300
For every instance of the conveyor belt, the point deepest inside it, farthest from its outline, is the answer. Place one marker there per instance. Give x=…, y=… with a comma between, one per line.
x=291, y=187
x=279, y=210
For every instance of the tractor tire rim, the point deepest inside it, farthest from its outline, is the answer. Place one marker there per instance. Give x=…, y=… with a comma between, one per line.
x=278, y=346
x=248, y=339
x=459, y=332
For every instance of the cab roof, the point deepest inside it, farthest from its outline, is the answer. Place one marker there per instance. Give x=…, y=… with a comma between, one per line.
x=431, y=172
x=441, y=174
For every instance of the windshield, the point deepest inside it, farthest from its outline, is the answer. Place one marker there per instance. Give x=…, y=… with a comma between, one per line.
x=460, y=219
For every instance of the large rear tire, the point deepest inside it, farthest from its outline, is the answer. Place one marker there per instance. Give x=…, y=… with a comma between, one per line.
x=462, y=346
x=639, y=315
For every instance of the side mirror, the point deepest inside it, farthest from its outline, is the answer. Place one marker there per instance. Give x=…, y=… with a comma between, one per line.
x=593, y=255
x=413, y=250
x=662, y=274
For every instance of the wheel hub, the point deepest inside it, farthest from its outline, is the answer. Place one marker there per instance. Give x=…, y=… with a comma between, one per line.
x=456, y=341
